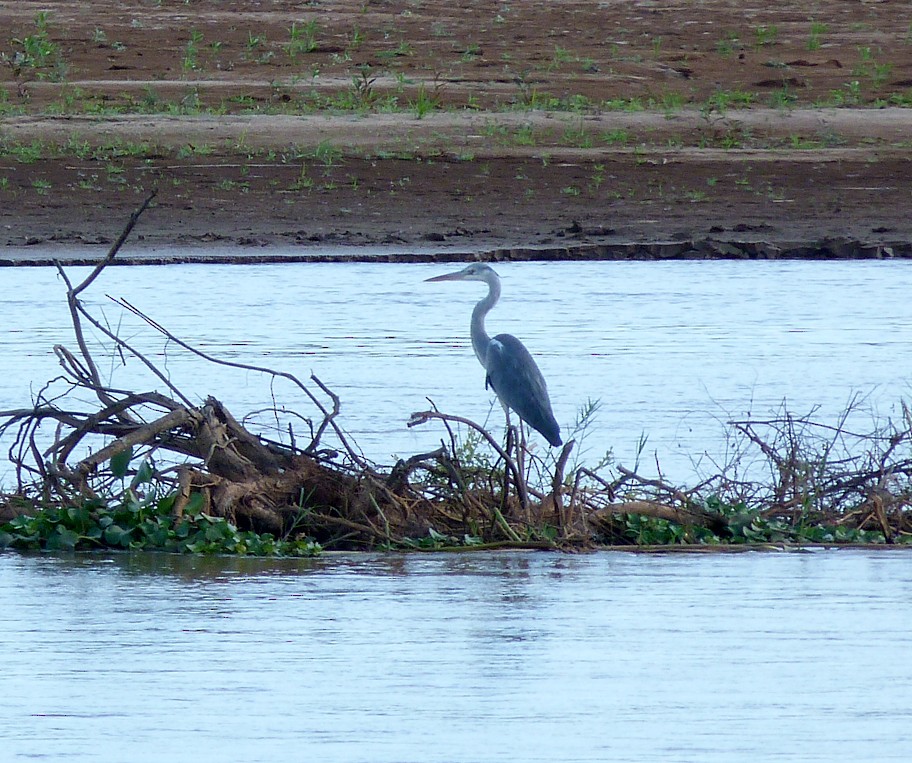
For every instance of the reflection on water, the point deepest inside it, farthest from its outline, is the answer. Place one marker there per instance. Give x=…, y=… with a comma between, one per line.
x=671, y=349
x=494, y=657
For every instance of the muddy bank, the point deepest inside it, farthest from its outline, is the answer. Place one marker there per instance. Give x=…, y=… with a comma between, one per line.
x=576, y=129
x=824, y=249
x=538, y=200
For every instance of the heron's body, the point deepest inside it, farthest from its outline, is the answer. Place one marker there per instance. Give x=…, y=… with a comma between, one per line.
x=510, y=370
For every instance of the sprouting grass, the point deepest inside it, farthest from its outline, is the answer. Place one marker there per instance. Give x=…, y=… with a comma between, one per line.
x=524, y=135
x=78, y=148
x=115, y=178
x=868, y=67
x=848, y=95
x=726, y=46
x=425, y=102
x=88, y=183
x=360, y=94
x=24, y=153
x=669, y=102
x=256, y=48
x=765, y=35
x=818, y=29
x=188, y=150
x=901, y=99
x=37, y=52
x=561, y=56
x=783, y=98
x=471, y=52
x=495, y=130
x=41, y=186
x=618, y=136
x=577, y=135
x=303, y=182
x=302, y=39
x=255, y=42
x=624, y=104
x=327, y=153
x=597, y=177
x=722, y=100
x=404, y=48
x=800, y=143
x=190, y=60
x=8, y=109
x=355, y=39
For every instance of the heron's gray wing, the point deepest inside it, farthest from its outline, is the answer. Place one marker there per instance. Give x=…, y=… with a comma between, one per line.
x=514, y=376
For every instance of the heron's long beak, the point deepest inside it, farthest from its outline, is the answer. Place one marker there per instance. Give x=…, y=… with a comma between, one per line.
x=457, y=276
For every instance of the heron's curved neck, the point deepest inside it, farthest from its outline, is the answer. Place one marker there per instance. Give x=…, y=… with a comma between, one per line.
x=480, y=338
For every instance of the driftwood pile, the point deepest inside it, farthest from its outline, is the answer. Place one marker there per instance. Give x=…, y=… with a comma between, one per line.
x=294, y=485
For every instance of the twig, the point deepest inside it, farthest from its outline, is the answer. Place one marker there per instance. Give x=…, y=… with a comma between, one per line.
x=75, y=307
x=115, y=247
x=328, y=417
x=656, y=483
x=422, y=417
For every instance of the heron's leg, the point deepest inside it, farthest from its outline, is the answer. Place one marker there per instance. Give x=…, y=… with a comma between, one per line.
x=508, y=443
x=516, y=441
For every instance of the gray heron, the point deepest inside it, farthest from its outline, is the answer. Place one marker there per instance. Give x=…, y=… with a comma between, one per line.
x=510, y=370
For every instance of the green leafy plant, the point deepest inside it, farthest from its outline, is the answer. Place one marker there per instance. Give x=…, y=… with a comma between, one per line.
x=561, y=56
x=38, y=52
x=471, y=52
x=41, y=186
x=577, y=135
x=255, y=41
x=404, y=48
x=425, y=102
x=783, y=98
x=726, y=46
x=765, y=35
x=722, y=100
x=818, y=29
x=24, y=153
x=302, y=39
x=141, y=519
x=617, y=136
x=190, y=60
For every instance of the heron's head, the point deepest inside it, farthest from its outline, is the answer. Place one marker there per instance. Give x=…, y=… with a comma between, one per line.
x=477, y=271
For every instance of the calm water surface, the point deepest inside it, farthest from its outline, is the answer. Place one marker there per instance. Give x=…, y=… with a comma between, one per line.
x=501, y=657
x=497, y=657
x=672, y=350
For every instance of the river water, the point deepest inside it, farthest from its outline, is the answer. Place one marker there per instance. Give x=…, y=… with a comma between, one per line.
x=672, y=350
x=476, y=657
x=800, y=656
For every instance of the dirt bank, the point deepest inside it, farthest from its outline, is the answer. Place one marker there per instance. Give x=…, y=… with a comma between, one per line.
x=537, y=125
